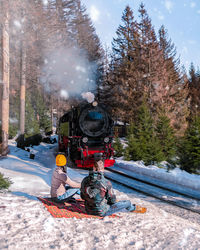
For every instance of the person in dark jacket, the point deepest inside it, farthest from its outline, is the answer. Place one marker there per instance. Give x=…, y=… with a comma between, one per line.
x=98, y=194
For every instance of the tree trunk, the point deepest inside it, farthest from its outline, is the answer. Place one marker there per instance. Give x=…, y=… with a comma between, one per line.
x=5, y=81
x=22, y=89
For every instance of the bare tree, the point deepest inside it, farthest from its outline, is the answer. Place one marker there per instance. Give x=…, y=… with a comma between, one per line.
x=5, y=79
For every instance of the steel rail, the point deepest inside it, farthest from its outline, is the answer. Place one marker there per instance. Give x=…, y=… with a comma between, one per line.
x=152, y=184
x=151, y=195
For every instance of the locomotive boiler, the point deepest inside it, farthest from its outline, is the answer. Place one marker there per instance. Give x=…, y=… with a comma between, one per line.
x=85, y=132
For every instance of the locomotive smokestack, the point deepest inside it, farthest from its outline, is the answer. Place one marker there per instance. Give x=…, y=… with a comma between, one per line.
x=88, y=96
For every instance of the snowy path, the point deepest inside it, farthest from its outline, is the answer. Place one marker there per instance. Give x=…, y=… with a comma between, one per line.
x=26, y=224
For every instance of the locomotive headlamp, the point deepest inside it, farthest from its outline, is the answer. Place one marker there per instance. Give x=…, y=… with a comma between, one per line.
x=106, y=139
x=85, y=140
x=94, y=104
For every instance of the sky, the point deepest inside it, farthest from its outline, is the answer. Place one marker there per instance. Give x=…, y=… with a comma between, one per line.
x=180, y=17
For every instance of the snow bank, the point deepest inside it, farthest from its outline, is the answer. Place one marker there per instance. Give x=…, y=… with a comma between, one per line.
x=32, y=177
x=175, y=176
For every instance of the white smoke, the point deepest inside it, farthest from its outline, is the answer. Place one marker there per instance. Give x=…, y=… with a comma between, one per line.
x=17, y=24
x=45, y=2
x=64, y=94
x=88, y=96
x=69, y=72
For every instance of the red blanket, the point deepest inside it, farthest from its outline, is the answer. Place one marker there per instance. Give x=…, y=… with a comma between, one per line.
x=75, y=209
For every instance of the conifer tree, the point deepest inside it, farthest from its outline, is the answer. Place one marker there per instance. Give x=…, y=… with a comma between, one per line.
x=31, y=123
x=87, y=41
x=194, y=90
x=150, y=57
x=132, y=151
x=143, y=143
x=189, y=150
x=14, y=115
x=40, y=108
x=84, y=33
x=4, y=182
x=171, y=93
x=148, y=143
x=165, y=135
x=123, y=68
x=118, y=147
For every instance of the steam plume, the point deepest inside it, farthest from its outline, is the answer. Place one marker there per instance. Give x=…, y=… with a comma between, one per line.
x=69, y=72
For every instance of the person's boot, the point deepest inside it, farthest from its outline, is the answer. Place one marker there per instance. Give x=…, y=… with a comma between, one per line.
x=139, y=209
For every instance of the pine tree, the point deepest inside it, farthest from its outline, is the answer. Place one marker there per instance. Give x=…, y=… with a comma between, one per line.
x=165, y=135
x=123, y=80
x=194, y=90
x=31, y=123
x=143, y=144
x=150, y=57
x=14, y=113
x=4, y=182
x=149, y=145
x=171, y=93
x=40, y=108
x=118, y=147
x=87, y=41
x=132, y=151
x=189, y=149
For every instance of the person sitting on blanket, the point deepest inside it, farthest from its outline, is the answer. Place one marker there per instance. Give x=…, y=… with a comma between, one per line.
x=62, y=187
x=99, y=197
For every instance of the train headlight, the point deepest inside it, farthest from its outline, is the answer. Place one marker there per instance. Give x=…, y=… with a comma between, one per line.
x=106, y=139
x=85, y=140
x=94, y=104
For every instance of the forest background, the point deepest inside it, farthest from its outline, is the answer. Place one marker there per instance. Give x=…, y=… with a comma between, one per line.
x=55, y=58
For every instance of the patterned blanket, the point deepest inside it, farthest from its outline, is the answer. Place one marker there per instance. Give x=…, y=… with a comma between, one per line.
x=69, y=209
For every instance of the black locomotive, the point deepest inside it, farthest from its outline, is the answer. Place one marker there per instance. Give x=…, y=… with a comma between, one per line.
x=86, y=131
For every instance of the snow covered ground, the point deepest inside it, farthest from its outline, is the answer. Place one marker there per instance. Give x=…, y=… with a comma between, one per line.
x=175, y=176
x=26, y=224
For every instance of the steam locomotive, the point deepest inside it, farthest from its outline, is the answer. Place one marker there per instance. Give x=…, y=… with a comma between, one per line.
x=85, y=132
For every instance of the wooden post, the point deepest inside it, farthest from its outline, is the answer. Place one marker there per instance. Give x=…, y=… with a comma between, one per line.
x=5, y=81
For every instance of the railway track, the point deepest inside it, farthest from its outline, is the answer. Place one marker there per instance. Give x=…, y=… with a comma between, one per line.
x=175, y=198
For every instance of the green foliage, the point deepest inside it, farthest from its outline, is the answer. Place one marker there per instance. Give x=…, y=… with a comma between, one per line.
x=132, y=150
x=14, y=110
x=41, y=111
x=31, y=123
x=118, y=147
x=142, y=141
x=4, y=182
x=165, y=135
x=123, y=74
x=189, y=149
x=13, y=129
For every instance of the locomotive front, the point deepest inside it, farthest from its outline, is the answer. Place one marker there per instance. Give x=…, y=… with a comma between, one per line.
x=90, y=132
x=94, y=121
